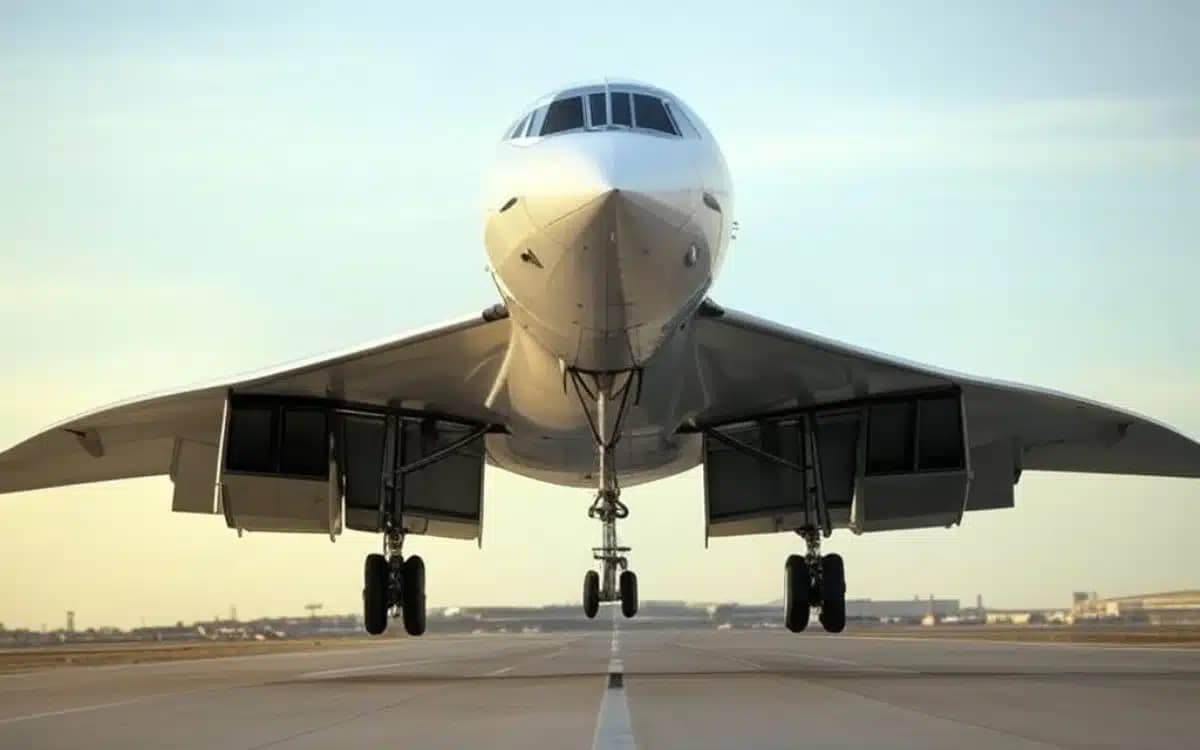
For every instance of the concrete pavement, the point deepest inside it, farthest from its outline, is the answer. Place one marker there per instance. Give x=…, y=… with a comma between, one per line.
x=693, y=689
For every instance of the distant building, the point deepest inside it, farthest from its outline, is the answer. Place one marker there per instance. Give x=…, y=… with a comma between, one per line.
x=901, y=610
x=1026, y=616
x=1166, y=608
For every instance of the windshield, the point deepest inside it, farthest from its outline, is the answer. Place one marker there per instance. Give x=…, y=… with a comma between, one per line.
x=599, y=110
x=562, y=115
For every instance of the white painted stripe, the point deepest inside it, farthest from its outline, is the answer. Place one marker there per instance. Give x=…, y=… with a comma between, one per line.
x=814, y=657
x=366, y=668
x=216, y=658
x=847, y=662
x=500, y=671
x=614, y=730
x=794, y=654
x=168, y=662
x=115, y=704
x=941, y=641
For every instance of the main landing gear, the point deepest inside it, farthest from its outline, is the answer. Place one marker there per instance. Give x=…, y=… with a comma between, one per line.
x=812, y=580
x=391, y=583
x=615, y=582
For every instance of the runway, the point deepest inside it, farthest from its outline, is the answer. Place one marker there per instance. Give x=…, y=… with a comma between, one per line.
x=681, y=689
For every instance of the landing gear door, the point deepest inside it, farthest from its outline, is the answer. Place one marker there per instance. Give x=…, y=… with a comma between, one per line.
x=442, y=497
x=837, y=438
x=757, y=477
x=276, y=466
x=363, y=447
x=918, y=464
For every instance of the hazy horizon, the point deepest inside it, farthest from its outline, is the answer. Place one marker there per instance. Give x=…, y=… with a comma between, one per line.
x=1007, y=191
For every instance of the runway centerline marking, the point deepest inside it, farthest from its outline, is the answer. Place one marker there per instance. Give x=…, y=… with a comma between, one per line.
x=500, y=671
x=614, y=730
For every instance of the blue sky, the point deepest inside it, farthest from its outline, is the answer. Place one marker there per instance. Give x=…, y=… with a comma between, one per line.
x=1012, y=191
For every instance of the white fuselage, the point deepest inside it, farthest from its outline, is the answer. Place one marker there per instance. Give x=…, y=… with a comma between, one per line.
x=603, y=238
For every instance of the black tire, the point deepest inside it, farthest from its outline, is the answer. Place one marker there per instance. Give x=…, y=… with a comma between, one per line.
x=629, y=593
x=412, y=595
x=376, y=574
x=796, y=593
x=591, y=593
x=833, y=593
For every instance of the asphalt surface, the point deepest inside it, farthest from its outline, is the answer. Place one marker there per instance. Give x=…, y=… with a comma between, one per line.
x=681, y=689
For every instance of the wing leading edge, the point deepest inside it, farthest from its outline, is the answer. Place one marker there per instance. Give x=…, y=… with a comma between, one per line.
x=752, y=366
x=446, y=369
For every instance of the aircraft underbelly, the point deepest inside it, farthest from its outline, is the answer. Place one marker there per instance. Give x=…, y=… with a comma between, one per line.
x=549, y=437
x=572, y=462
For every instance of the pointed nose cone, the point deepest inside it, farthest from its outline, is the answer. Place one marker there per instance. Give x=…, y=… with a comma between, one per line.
x=571, y=176
x=578, y=178
x=602, y=250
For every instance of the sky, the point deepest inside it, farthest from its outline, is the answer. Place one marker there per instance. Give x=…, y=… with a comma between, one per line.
x=1005, y=189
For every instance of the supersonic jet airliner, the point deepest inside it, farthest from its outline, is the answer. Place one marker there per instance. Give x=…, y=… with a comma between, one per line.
x=608, y=214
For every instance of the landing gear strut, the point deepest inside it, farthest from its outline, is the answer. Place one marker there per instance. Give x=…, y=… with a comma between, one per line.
x=614, y=582
x=812, y=580
x=394, y=585
x=608, y=586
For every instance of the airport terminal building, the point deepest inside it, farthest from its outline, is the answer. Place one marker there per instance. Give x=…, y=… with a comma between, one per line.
x=1166, y=608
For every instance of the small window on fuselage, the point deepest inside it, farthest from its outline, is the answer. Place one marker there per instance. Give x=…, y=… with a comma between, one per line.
x=599, y=109
x=563, y=114
x=650, y=114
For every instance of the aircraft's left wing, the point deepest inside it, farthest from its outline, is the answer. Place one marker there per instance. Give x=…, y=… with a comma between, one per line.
x=446, y=369
x=752, y=368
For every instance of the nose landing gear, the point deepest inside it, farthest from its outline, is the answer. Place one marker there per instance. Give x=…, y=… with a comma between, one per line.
x=608, y=585
x=615, y=582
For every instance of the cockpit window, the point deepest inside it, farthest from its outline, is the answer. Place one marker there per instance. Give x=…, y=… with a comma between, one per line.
x=519, y=129
x=602, y=110
x=599, y=109
x=650, y=113
x=563, y=114
x=682, y=123
x=621, y=113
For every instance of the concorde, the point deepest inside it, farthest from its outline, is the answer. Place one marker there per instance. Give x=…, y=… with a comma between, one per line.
x=608, y=215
